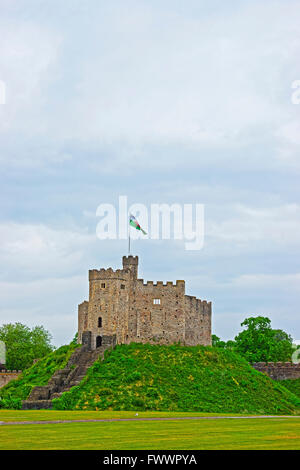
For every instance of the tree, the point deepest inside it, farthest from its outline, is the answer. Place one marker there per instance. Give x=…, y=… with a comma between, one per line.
x=230, y=345
x=23, y=344
x=75, y=339
x=260, y=343
x=217, y=342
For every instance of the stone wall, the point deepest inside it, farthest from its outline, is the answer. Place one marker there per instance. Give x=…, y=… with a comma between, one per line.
x=106, y=313
x=82, y=318
x=121, y=304
x=8, y=375
x=197, y=321
x=279, y=370
x=163, y=322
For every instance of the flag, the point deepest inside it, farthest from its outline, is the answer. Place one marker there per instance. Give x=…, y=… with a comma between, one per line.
x=134, y=223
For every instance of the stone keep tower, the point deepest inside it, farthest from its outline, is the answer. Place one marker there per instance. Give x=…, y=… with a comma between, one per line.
x=120, y=304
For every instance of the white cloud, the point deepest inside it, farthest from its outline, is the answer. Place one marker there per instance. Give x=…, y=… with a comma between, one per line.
x=148, y=75
x=28, y=54
x=38, y=250
x=159, y=97
x=49, y=302
x=255, y=228
x=262, y=282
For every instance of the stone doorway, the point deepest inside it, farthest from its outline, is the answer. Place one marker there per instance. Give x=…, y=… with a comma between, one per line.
x=98, y=341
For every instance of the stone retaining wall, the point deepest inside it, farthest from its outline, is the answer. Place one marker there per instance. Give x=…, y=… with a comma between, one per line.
x=8, y=375
x=279, y=370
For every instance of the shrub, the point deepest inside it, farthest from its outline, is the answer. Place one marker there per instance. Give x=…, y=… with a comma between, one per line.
x=174, y=377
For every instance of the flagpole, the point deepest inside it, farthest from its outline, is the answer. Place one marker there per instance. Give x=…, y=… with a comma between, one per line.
x=135, y=224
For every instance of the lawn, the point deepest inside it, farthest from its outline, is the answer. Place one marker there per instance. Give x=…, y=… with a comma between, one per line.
x=52, y=415
x=269, y=433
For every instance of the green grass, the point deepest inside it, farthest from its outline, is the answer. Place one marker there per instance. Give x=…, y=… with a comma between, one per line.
x=293, y=385
x=144, y=377
x=273, y=433
x=53, y=415
x=37, y=375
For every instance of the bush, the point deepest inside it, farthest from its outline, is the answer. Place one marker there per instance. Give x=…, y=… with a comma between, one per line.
x=293, y=385
x=168, y=378
x=37, y=375
x=11, y=403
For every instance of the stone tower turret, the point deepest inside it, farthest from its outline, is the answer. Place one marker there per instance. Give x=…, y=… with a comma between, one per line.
x=131, y=263
x=126, y=308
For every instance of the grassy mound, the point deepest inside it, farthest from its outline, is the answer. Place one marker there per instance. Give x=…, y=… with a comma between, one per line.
x=177, y=378
x=39, y=374
x=292, y=385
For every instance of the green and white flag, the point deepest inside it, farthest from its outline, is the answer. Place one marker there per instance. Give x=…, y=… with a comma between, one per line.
x=134, y=223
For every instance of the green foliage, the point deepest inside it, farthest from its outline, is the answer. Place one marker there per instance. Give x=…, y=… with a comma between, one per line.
x=75, y=339
x=293, y=385
x=37, y=375
x=11, y=403
x=259, y=342
x=23, y=344
x=177, y=378
x=217, y=342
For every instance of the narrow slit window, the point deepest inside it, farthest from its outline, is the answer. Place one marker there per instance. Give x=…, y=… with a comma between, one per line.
x=99, y=322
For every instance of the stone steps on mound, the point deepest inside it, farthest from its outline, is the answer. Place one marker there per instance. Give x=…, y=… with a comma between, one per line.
x=64, y=379
x=56, y=395
x=37, y=405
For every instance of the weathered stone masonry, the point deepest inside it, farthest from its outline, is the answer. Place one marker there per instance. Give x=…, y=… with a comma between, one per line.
x=279, y=370
x=121, y=304
x=7, y=375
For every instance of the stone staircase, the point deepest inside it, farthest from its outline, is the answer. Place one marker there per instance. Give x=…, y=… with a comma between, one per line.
x=64, y=379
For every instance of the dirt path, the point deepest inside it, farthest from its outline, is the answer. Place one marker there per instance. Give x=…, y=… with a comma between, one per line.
x=14, y=423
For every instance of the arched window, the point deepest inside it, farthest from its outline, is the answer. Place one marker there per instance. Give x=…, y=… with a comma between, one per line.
x=99, y=322
x=98, y=341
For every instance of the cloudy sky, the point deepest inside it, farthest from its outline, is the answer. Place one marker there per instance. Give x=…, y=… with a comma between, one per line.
x=165, y=102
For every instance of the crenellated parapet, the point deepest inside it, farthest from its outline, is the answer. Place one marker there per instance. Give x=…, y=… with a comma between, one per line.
x=180, y=285
x=130, y=260
x=137, y=310
x=278, y=370
x=105, y=274
x=7, y=375
x=198, y=305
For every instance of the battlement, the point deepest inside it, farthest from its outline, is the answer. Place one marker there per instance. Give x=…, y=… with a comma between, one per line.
x=105, y=274
x=201, y=306
x=7, y=375
x=279, y=370
x=178, y=284
x=139, y=310
x=130, y=260
x=278, y=364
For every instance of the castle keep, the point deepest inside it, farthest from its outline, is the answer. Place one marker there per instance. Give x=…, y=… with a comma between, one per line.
x=123, y=306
